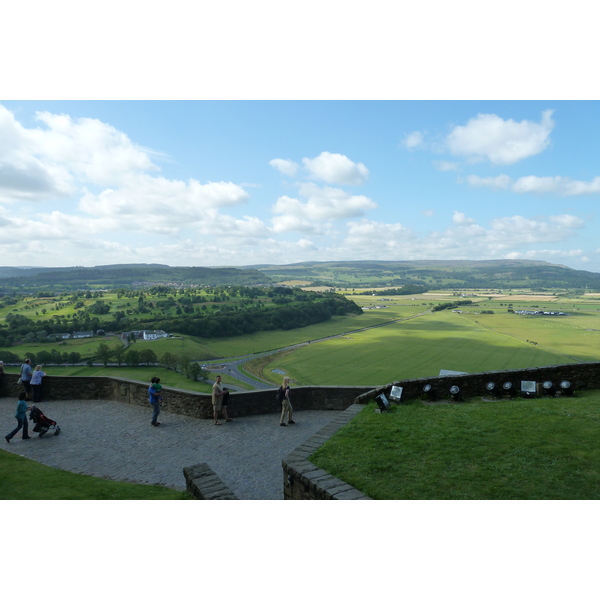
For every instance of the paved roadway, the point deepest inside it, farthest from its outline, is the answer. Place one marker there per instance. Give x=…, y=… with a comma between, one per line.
x=116, y=441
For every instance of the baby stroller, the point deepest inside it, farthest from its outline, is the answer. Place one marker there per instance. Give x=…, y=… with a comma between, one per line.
x=42, y=422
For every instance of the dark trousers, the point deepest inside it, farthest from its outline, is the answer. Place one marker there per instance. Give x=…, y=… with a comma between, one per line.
x=21, y=423
x=37, y=393
x=155, y=411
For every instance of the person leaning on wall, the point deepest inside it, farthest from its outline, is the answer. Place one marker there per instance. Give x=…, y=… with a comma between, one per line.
x=36, y=383
x=26, y=374
x=286, y=405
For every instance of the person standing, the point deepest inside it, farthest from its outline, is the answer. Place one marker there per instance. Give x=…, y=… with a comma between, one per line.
x=217, y=398
x=26, y=376
x=21, y=416
x=154, y=398
x=286, y=405
x=36, y=383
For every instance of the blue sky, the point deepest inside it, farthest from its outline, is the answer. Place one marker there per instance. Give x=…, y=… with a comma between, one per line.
x=238, y=182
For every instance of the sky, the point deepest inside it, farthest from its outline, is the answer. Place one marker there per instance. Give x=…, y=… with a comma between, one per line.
x=244, y=182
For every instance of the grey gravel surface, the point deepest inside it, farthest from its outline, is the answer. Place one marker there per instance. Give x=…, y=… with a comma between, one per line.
x=115, y=440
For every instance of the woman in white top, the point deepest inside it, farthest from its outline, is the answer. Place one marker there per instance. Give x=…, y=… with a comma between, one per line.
x=36, y=383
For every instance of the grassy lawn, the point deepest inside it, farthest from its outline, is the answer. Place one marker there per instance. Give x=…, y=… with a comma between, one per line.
x=416, y=348
x=24, y=479
x=524, y=449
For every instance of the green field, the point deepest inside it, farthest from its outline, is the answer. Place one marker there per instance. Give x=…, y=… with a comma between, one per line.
x=533, y=449
x=420, y=348
x=271, y=340
x=418, y=345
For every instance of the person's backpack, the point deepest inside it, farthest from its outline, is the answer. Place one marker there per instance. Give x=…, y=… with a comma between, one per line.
x=279, y=396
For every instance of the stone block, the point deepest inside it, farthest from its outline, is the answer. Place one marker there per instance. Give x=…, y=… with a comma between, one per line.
x=352, y=494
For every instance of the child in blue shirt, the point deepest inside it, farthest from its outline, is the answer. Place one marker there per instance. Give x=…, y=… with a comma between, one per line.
x=21, y=416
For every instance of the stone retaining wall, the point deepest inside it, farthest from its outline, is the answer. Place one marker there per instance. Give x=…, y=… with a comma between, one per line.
x=185, y=402
x=581, y=375
x=302, y=480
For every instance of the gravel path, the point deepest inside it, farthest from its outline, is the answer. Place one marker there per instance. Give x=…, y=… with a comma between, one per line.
x=115, y=440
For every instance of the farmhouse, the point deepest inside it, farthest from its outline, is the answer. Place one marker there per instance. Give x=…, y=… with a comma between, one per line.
x=154, y=335
x=541, y=312
x=60, y=336
x=145, y=334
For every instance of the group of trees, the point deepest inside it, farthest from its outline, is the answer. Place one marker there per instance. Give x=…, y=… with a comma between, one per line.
x=134, y=358
x=314, y=308
x=207, y=312
x=43, y=357
x=449, y=305
x=406, y=290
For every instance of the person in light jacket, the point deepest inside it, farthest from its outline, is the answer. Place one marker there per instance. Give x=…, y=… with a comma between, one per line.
x=286, y=405
x=26, y=376
x=36, y=383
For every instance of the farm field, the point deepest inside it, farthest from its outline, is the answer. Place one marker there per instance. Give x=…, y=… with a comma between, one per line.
x=271, y=340
x=417, y=348
x=87, y=347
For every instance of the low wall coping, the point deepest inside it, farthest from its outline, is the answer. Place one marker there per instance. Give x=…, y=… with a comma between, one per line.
x=204, y=484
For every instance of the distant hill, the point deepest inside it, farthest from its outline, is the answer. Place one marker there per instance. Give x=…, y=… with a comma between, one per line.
x=434, y=274
x=438, y=274
x=115, y=276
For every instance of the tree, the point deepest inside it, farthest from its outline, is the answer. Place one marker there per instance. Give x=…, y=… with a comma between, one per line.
x=119, y=354
x=104, y=353
x=195, y=371
x=132, y=358
x=148, y=356
x=183, y=364
x=168, y=360
x=74, y=357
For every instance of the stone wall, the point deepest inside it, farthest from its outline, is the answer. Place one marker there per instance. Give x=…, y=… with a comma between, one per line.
x=202, y=483
x=302, y=480
x=582, y=376
x=185, y=402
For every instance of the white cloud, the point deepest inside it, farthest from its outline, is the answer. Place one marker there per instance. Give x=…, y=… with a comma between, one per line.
x=428, y=212
x=463, y=240
x=322, y=205
x=563, y=186
x=500, y=182
x=568, y=221
x=547, y=255
x=413, y=140
x=170, y=201
x=444, y=165
x=459, y=218
x=55, y=160
x=287, y=167
x=531, y=184
x=336, y=168
x=490, y=137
